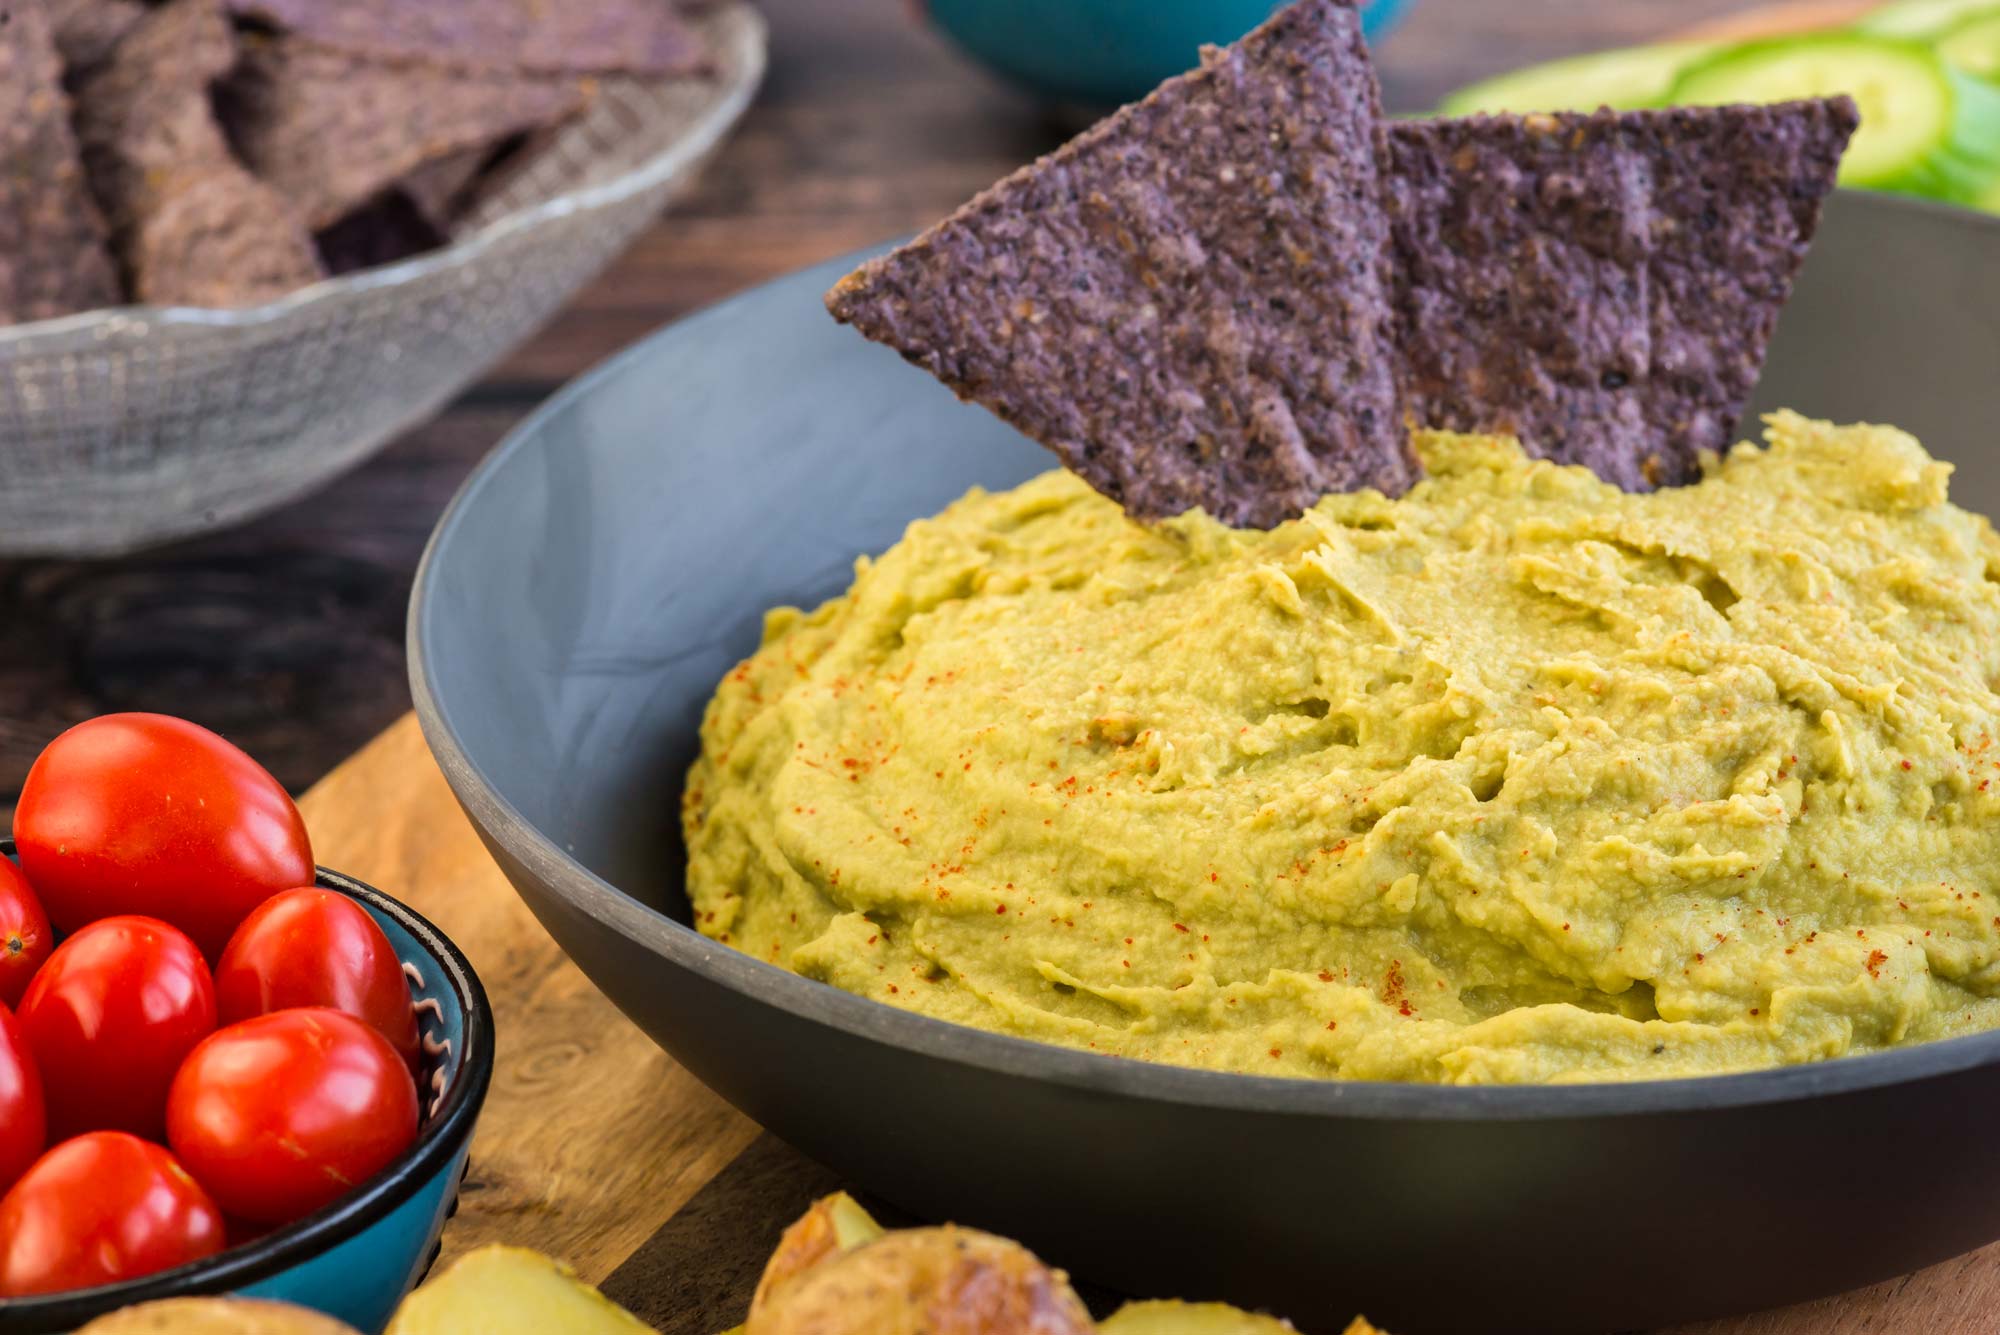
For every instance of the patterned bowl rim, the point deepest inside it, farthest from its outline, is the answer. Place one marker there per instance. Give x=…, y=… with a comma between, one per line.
x=740, y=29
x=446, y=1128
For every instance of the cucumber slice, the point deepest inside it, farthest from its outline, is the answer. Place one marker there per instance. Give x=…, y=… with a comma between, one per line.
x=1974, y=46
x=1920, y=18
x=1926, y=128
x=1625, y=79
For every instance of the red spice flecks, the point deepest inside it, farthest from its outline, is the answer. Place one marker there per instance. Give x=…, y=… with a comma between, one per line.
x=1000, y=909
x=1876, y=959
x=1180, y=927
x=1326, y=975
x=1277, y=1052
x=1333, y=1024
x=892, y=987
x=1392, y=983
x=1406, y=1009
x=1906, y=764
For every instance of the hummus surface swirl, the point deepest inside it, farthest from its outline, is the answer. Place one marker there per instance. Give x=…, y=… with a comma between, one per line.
x=1518, y=778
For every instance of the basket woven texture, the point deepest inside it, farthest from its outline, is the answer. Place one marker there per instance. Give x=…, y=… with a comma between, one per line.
x=126, y=427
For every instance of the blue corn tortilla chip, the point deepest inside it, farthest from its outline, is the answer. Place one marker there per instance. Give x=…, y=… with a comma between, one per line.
x=332, y=130
x=191, y=225
x=439, y=189
x=1603, y=285
x=55, y=259
x=383, y=231
x=86, y=31
x=551, y=36
x=1190, y=303
x=1238, y=293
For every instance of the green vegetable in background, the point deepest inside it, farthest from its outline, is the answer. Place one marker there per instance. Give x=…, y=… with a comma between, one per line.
x=1974, y=45
x=1925, y=73
x=1920, y=18
x=1625, y=79
x=1926, y=128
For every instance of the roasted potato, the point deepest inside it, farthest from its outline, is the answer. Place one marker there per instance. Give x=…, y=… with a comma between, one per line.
x=215, y=1316
x=511, y=1291
x=834, y=1224
x=924, y=1281
x=1172, y=1318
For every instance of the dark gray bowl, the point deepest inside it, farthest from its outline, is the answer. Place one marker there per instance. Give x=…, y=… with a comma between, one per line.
x=613, y=558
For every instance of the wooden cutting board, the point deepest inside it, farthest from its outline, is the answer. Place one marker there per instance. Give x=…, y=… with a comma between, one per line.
x=596, y=1147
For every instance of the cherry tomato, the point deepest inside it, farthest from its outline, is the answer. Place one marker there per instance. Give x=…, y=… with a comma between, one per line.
x=99, y=1209
x=141, y=813
x=25, y=939
x=314, y=947
x=284, y=1113
x=23, y=1125
x=110, y=1017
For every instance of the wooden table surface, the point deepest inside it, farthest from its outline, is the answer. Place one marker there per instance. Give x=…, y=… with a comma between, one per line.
x=287, y=634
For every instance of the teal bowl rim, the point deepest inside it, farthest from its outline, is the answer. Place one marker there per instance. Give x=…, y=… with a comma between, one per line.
x=443, y=1133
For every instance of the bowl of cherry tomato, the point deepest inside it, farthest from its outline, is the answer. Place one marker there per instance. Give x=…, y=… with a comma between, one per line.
x=223, y=1069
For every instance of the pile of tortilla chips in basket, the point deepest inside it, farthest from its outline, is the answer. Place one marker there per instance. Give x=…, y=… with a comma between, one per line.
x=225, y=152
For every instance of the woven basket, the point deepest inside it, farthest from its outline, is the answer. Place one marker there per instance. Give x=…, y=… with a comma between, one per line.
x=125, y=427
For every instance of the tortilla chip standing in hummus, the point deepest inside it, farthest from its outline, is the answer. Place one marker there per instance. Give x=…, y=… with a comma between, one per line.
x=1235, y=293
x=1190, y=303
x=1602, y=286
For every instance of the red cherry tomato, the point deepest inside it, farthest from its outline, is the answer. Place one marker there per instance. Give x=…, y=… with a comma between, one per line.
x=98, y=1209
x=25, y=938
x=23, y=1126
x=282, y=1114
x=110, y=1017
x=314, y=947
x=141, y=813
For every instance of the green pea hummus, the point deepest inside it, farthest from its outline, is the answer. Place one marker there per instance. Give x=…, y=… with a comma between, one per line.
x=1518, y=778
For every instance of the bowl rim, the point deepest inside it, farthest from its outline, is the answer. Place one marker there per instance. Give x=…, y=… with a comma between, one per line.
x=747, y=36
x=440, y=1139
x=547, y=862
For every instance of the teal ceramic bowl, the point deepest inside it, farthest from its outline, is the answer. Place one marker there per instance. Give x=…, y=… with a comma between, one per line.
x=356, y=1258
x=1102, y=53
